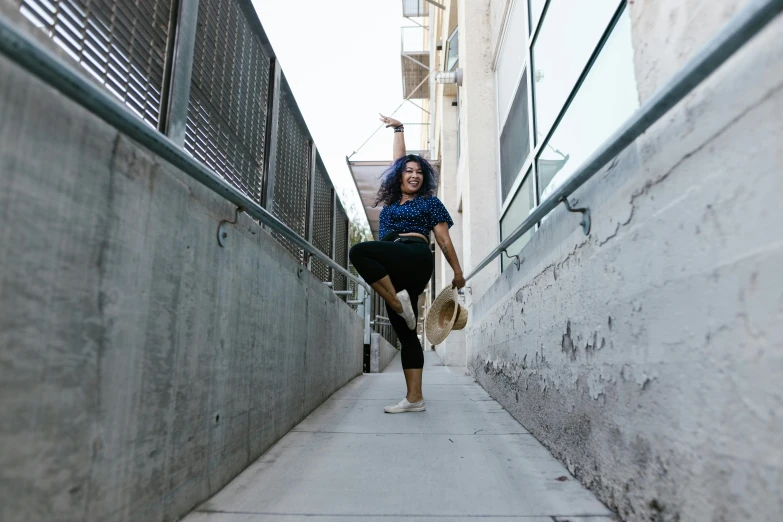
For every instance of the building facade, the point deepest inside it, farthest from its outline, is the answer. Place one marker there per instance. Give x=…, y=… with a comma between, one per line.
x=646, y=354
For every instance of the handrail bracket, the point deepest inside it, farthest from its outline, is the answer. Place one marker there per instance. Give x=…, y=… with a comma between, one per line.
x=517, y=260
x=222, y=231
x=585, y=211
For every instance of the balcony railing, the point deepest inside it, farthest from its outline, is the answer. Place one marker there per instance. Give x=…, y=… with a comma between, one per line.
x=415, y=61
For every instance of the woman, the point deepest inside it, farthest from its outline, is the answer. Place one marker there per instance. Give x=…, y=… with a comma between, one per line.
x=399, y=266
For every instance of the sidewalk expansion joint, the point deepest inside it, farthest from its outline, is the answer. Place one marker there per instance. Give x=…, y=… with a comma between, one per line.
x=555, y=518
x=412, y=433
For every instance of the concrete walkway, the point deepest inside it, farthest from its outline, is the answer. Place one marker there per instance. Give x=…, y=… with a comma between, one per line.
x=463, y=459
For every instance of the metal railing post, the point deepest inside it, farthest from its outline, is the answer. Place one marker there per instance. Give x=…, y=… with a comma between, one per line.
x=367, y=313
x=176, y=115
x=272, y=121
x=333, y=253
x=311, y=201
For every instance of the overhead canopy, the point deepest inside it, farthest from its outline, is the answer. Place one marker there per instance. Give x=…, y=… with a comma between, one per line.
x=367, y=176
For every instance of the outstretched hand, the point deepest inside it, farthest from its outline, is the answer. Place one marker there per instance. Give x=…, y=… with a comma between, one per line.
x=390, y=122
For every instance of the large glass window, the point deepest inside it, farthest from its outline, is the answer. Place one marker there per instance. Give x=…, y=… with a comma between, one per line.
x=513, y=98
x=535, y=11
x=524, y=201
x=512, y=58
x=581, y=71
x=515, y=139
x=452, y=60
x=606, y=98
x=568, y=37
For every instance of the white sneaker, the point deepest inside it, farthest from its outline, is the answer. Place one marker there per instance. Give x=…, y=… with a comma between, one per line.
x=404, y=406
x=407, y=309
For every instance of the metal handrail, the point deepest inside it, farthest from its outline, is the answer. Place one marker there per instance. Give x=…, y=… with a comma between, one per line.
x=39, y=61
x=746, y=24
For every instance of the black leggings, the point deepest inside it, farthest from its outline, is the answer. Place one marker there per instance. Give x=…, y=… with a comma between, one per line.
x=409, y=266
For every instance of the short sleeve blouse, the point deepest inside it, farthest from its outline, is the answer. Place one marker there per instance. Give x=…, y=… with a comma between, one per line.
x=419, y=214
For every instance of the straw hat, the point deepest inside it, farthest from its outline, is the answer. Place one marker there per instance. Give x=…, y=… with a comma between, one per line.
x=445, y=315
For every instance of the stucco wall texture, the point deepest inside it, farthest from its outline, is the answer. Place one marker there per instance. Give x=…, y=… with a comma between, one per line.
x=648, y=356
x=142, y=366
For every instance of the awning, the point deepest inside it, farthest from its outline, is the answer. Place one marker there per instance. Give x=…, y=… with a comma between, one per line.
x=367, y=176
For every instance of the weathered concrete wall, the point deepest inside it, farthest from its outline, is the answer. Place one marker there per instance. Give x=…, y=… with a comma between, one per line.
x=667, y=33
x=381, y=353
x=648, y=356
x=141, y=366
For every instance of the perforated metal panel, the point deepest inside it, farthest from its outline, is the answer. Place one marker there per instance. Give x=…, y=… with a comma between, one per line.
x=322, y=219
x=341, y=247
x=228, y=97
x=292, y=174
x=122, y=44
x=415, y=8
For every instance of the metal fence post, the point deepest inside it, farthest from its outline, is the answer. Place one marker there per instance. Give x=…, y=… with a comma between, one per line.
x=181, y=56
x=272, y=121
x=333, y=253
x=311, y=201
x=367, y=313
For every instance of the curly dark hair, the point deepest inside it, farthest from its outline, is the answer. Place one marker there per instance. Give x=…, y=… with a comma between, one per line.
x=390, y=191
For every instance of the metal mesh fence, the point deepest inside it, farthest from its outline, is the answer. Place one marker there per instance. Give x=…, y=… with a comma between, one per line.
x=322, y=219
x=129, y=47
x=341, y=247
x=123, y=45
x=228, y=97
x=293, y=170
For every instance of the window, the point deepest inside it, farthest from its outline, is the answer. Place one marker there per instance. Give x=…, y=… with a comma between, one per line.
x=569, y=34
x=511, y=59
x=513, y=99
x=560, y=93
x=524, y=201
x=607, y=97
x=515, y=139
x=535, y=12
x=452, y=57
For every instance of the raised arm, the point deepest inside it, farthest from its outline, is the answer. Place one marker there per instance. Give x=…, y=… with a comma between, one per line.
x=399, y=137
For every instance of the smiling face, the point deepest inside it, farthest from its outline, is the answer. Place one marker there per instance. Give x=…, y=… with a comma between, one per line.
x=412, y=178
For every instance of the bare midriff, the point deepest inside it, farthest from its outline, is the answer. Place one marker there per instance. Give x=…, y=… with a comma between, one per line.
x=414, y=234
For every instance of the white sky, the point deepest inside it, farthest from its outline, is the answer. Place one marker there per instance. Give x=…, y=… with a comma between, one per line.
x=342, y=61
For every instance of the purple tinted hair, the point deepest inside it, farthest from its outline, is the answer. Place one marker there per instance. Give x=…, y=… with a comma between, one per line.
x=390, y=191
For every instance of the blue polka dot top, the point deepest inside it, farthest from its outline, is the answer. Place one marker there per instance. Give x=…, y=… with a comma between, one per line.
x=420, y=214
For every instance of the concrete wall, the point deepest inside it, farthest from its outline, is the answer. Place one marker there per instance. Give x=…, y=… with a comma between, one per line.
x=381, y=353
x=667, y=33
x=648, y=356
x=452, y=349
x=141, y=365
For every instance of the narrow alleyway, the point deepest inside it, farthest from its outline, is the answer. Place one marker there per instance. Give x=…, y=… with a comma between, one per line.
x=465, y=458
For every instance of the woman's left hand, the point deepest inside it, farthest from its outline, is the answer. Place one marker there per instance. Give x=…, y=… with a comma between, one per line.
x=390, y=122
x=458, y=281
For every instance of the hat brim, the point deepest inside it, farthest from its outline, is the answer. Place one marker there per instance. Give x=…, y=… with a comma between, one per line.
x=442, y=316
